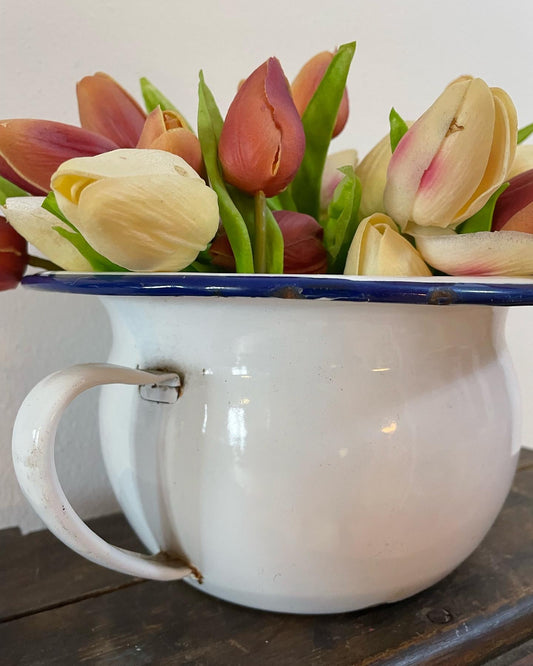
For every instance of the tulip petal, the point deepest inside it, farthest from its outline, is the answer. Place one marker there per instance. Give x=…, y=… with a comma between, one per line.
x=153, y=127
x=417, y=149
x=148, y=223
x=514, y=208
x=13, y=256
x=34, y=149
x=36, y=224
x=372, y=172
x=331, y=176
x=506, y=253
x=457, y=169
x=185, y=144
x=107, y=109
x=523, y=160
x=378, y=249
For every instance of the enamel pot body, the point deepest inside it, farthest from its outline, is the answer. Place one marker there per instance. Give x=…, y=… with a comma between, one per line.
x=319, y=456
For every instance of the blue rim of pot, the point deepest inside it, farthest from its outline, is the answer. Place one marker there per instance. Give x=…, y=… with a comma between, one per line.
x=441, y=290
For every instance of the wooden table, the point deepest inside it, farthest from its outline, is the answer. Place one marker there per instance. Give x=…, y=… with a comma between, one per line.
x=56, y=608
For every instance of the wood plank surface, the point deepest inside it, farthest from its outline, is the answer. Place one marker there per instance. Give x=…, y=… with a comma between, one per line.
x=481, y=612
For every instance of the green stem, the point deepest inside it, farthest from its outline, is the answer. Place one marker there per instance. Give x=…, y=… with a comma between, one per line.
x=260, y=233
x=38, y=262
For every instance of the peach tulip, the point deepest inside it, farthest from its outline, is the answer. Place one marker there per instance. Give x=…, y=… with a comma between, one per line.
x=514, y=208
x=164, y=130
x=307, y=81
x=262, y=141
x=454, y=157
x=331, y=176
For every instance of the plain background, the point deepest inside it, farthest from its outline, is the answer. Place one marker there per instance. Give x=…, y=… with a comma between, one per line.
x=407, y=52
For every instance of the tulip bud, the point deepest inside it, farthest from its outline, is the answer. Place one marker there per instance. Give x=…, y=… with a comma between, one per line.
x=378, y=249
x=262, y=141
x=331, y=176
x=164, y=130
x=454, y=157
x=13, y=256
x=514, y=207
x=26, y=215
x=372, y=173
x=146, y=210
x=303, y=251
x=307, y=81
x=31, y=150
x=523, y=160
x=107, y=109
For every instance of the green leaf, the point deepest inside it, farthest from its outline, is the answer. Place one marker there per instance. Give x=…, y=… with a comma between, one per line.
x=98, y=262
x=482, y=220
x=342, y=220
x=209, y=128
x=398, y=127
x=318, y=122
x=524, y=133
x=9, y=189
x=153, y=98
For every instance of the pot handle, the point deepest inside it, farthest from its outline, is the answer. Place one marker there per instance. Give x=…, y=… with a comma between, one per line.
x=33, y=455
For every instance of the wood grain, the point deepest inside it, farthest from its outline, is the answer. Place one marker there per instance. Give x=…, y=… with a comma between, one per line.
x=483, y=611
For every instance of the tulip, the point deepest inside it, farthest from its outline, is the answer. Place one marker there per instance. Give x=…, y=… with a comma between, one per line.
x=378, y=249
x=331, y=176
x=26, y=215
x=107, y=109
x=13, y=256
x=523, y=160
x=514, y=208
x=31, y=150
x=307, y=81
x=505, y=253
x=164, y=130
x=372, y=173
x=454, y=157
x=262, y=141
x=145, y=210
x=303, y=251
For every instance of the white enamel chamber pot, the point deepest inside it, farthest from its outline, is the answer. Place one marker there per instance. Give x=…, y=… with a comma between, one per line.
x=304, y=444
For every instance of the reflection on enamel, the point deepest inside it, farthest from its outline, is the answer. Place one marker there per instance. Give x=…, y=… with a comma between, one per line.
x=237, y=428
x=343, y=453
x=204, y=424
x=380, y=369
x=244, y=401
x=241, y=371
x=389, y=428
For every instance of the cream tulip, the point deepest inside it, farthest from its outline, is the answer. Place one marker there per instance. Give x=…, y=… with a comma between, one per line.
x=378, y=249
x=454, y=157
x=36, y=224
x=146, y=210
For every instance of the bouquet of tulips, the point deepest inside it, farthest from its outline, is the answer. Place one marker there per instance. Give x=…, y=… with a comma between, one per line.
x=259, y=191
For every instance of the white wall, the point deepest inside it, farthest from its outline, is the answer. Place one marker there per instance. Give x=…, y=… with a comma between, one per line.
x=408, y=50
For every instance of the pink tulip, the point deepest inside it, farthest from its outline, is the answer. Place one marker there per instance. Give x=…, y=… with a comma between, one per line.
x=107, y=109
x=303, y=248
x=13, y=256
x=453, y=158
x=307, y=81
x=514, y=208
x=262, y=142
x=31, y=150
x=164, y=130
